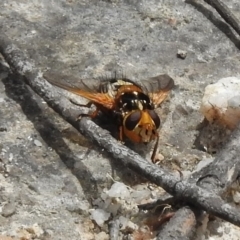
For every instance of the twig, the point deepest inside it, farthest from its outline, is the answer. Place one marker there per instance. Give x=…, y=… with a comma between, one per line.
x=225, y=13
x=183, y=190
x=181, y=226
x=218, y=175
x=224, y=170
x=113, y=227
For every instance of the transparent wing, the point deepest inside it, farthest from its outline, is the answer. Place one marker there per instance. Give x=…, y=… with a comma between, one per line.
x=157, y=88
x=87, y=88
x=91, y=85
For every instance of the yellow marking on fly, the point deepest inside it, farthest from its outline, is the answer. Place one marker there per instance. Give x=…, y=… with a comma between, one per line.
x=122, y=82
x=139, y=104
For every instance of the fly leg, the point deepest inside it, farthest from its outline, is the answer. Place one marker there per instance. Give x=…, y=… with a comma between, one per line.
x=153, y=157
x=119, y=119
x=91, y=115
x=121, y=133
x=88, y=105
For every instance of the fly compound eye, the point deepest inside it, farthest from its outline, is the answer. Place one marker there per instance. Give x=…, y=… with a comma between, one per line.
x=155, y=118
x=132, y=120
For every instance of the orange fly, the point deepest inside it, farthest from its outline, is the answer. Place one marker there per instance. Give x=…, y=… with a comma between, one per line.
x=131, y=103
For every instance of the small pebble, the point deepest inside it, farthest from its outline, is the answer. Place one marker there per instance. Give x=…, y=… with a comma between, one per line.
x=126, y=225
x=3, y=129
x=10, y=157
x=131, y=226
x=119, y=190
x=36, y=230
x=101, y=236
x=236, y=197
x=181, y=54
x=100, y=216
x=123, y=222
x=37, y=143
x=139, y=196
x=8, y=209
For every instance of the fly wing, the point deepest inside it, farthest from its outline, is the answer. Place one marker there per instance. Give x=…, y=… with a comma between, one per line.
x=157, y=88
x=88, y=88
x=90, y=85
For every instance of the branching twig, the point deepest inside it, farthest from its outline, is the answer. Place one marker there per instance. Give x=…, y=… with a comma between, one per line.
x=224, y=170
x=218, y=175
x=225, y=13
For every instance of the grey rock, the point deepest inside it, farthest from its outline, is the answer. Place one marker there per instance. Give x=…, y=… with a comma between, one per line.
x=89, y=39
x=8, y=209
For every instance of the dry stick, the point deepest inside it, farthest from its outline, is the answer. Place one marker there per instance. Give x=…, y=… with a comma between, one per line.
x=174, y=228
x=218, y=175
x=225, y=169
x=183, y=190
x=113, y=227
x=225, y=13
x=181, y=226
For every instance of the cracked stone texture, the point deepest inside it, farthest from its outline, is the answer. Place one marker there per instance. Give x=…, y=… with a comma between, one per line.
x=49, y=173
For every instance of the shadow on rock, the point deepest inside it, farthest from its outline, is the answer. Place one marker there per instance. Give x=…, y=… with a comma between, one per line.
x=17, y=90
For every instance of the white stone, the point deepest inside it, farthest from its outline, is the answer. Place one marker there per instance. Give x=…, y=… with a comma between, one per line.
x=123, y=222
x=101, y=236
x=236, y=197
x=141, y=195
x=38, y=231
x=37, y=143
x=221, y=102
x=119, y=190
x=100, y=216
x=126, y=224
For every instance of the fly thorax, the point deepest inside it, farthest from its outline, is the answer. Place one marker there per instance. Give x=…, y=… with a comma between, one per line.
x=129, y=101
x=114, y=85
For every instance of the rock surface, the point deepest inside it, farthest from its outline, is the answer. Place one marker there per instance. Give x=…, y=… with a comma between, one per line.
x=49, y=173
